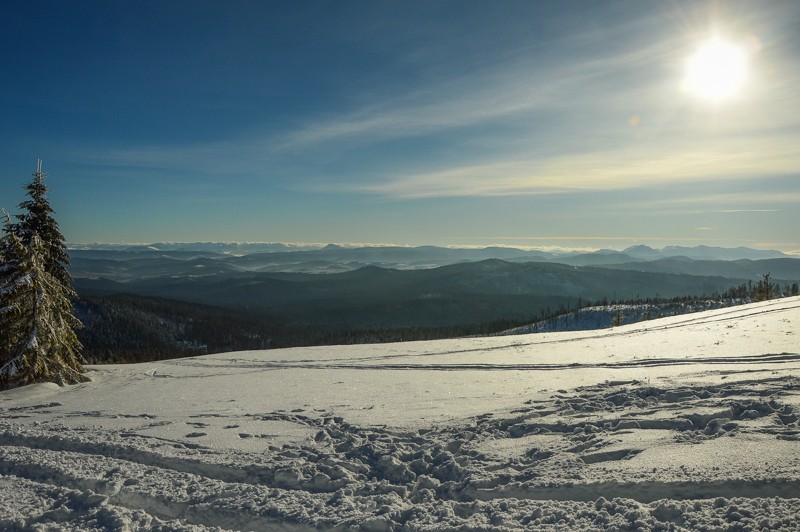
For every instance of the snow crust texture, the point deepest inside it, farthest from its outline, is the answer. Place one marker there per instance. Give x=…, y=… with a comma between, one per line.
x=678, y=424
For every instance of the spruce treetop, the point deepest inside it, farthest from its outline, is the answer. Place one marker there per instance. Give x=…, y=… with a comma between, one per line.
x=37, y=218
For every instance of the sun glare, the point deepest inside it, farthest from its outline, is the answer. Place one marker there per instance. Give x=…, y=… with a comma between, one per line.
x=716, y=71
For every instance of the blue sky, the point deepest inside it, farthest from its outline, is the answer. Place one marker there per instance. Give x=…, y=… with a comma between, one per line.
x=452, y=123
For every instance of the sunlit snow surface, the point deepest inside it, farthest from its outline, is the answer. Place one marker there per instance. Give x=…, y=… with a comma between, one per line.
x=688, y=422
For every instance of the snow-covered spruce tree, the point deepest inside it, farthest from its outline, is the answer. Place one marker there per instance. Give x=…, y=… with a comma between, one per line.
x=37, y=321
x=37, y=219
x=9, y=276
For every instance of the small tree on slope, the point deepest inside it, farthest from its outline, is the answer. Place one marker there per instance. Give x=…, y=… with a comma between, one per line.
x=37, y=321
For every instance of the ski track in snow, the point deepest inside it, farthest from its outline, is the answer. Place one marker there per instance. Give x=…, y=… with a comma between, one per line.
x=685, y=423
x=750, y=359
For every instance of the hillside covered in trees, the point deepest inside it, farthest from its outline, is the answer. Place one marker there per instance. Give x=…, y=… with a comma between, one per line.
x=134, y=328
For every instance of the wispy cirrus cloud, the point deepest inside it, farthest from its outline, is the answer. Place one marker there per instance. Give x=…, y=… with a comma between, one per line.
x=497, y=92
x=751, y=201
x=558, y=132
x=511, y=91
x=607, y=170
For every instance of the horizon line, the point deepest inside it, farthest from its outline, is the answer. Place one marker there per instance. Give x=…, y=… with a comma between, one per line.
x=354, y=245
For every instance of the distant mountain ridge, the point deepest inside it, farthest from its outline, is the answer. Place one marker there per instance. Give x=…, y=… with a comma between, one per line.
x=703, y=253
x=334, y=258
x=215, y=247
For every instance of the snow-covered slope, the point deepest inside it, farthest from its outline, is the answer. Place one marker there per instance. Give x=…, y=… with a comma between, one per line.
x=601, y=317
x=688, y=422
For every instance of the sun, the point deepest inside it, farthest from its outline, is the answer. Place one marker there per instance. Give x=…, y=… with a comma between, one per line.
x=716, y=72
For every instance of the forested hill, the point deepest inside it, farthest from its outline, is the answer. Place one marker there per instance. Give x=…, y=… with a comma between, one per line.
x=143, y=302
x=372, y=297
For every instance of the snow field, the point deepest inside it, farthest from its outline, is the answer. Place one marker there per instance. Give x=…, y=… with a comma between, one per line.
x=684, y=423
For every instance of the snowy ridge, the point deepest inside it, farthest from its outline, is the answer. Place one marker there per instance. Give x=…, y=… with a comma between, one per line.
x=603, y=317
x=684, y=423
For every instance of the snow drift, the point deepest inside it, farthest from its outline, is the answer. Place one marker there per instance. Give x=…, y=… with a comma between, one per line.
x=687, y=422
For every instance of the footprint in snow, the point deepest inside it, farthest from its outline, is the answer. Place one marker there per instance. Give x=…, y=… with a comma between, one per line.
x=196, y=435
